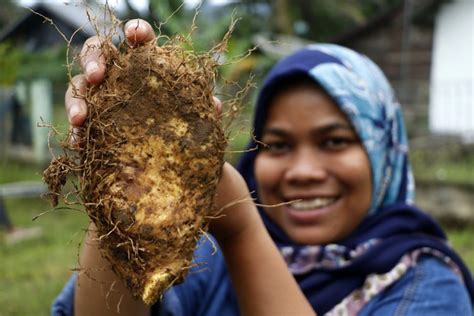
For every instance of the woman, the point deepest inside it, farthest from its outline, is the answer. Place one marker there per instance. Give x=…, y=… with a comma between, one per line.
x=335, y=138
x=335, y=185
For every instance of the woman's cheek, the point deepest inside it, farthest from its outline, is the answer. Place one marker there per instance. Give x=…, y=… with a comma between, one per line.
x=267, y=172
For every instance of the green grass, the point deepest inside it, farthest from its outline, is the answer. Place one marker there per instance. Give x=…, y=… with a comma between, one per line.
x=451, y=164
x=32, y=272
x=14, y=171
x=461, y=240
x=453, y=172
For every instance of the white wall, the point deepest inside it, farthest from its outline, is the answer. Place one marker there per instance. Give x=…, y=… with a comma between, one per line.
x=451, y=108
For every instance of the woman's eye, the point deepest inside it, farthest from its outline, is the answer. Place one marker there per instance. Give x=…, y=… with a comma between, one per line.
x=337, y=142
x=277, y=147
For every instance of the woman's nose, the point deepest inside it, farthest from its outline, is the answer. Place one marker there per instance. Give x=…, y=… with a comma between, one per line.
x=305, y=166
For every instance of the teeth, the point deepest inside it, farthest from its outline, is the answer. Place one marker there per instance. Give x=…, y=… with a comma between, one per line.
x=312, y=204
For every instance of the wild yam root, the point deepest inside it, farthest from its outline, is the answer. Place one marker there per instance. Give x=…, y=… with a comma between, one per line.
x=150, y=159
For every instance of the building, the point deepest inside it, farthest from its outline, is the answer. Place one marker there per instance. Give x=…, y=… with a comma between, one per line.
x=45, y=26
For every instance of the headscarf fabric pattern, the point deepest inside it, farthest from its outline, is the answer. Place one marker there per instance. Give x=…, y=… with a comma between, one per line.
x=364, y=95
x=393, y=227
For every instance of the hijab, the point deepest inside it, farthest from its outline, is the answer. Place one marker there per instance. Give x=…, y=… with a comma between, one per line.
x=393, y=226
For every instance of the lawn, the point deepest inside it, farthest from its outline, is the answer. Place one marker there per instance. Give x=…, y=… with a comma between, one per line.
x=32, y=272
x=448, y=164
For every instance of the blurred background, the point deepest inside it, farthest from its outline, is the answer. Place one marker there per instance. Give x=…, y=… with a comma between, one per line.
x=425, y=47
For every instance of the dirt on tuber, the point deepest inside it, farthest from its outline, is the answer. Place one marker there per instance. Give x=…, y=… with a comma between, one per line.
x=151, y=154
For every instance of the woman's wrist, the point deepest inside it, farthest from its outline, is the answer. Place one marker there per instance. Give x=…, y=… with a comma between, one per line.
x=255, y=266
x=235, y=210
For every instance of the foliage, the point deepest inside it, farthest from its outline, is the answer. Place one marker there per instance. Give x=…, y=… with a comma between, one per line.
x=10, y=59
x=18, y=64
x=324, y=20
x=317, y=21
x=46, y=63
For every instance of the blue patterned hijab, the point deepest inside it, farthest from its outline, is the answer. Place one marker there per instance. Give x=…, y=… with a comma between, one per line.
x=393, y=226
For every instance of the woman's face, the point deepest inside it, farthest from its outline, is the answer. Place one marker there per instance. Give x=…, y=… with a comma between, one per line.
x=314, y=175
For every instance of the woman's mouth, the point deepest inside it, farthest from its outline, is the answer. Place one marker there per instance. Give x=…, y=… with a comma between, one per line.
x=309, y=211
x=311, y=204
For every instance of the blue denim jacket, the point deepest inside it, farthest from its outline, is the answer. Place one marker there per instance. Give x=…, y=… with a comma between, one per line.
x=430, y=288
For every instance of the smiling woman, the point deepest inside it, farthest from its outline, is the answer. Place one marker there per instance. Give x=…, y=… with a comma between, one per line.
x=312, y=156
x=336, y=191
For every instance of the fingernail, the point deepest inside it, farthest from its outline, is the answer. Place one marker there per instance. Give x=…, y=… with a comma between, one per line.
x=91, y=67
x=134, y=26
x=73, y=112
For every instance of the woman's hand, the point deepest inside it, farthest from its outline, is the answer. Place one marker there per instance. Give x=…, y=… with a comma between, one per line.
x=92, y=61
x=235, y=209
x=263, y=284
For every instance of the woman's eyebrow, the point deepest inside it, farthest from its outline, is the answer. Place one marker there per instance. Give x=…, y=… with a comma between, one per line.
x=323, y=129
x=275, y=131
x=334, y=126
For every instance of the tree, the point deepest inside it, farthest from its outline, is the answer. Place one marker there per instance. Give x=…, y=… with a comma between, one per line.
x=319, y=20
